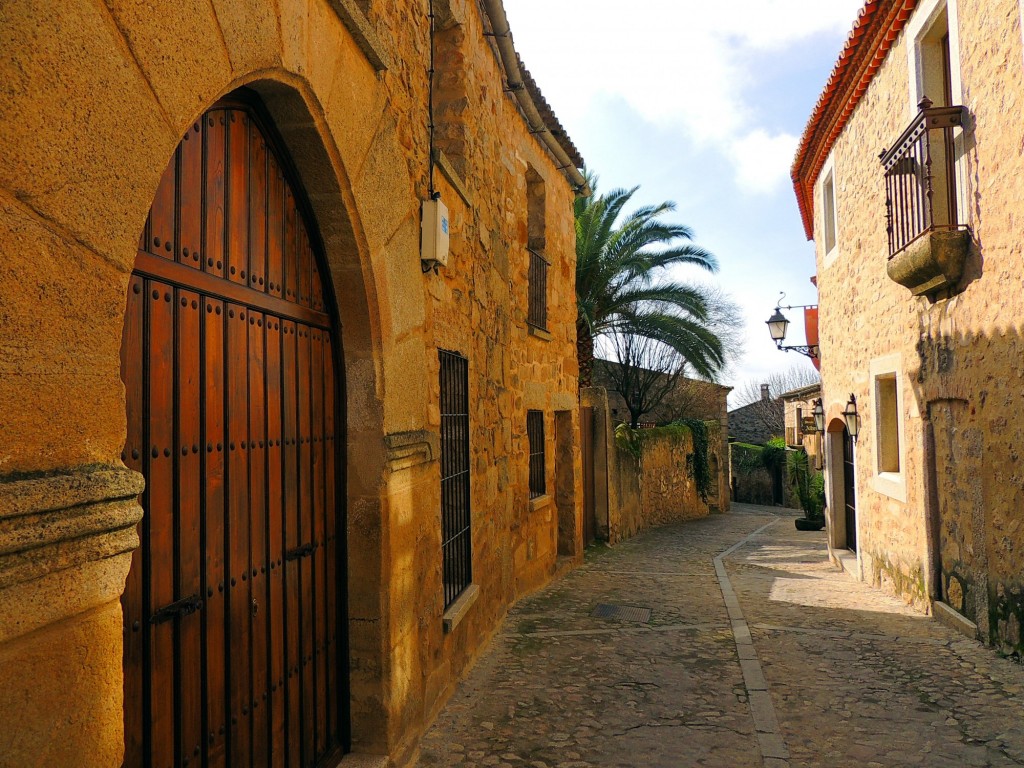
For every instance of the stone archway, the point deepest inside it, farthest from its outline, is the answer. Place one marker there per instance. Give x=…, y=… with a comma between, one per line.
x=102, y=97
x=841, y=482
x=235, y=634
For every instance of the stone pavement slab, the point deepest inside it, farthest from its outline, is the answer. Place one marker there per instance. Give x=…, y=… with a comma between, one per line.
x=777, y=659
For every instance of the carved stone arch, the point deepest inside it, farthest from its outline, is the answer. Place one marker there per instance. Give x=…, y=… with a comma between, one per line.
x=292, y=114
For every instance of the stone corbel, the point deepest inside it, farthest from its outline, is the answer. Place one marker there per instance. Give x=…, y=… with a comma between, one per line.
x=59, y=521
x=409, y=449
x=55, y=526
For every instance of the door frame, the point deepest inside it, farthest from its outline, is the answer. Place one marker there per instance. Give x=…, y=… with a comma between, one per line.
x=247, y=99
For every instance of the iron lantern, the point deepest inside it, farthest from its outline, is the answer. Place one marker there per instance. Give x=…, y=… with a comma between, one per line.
x=777, y=326
x=819, y=416
x=852, y=417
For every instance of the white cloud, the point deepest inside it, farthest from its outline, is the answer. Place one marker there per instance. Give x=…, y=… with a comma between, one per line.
x=762, y=161
x=676, y=63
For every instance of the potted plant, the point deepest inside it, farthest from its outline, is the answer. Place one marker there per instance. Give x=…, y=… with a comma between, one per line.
x=810, y=489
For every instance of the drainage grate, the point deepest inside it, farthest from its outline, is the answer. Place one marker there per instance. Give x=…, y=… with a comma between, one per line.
x=623, y=612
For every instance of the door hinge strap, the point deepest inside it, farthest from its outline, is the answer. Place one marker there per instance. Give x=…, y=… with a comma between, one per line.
x=304, y=551
x=182, y=607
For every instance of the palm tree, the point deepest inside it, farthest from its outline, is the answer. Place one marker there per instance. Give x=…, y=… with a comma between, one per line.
x=616, y=292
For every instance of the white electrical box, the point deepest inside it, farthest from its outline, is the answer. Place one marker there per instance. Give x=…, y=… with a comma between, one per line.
x=434, y=235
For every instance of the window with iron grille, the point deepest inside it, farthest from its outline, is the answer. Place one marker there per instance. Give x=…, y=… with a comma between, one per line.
x=455, y=507
x=536, y=202
x=535, y=433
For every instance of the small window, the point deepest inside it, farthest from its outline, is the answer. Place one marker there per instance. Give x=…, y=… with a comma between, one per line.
x=888, y=424
x=537, y=309
x=456, y=539
x=828, y=194
x=535, y=433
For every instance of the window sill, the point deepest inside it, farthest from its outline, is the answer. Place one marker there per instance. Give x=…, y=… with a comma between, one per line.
x=540, y=502
x=540, y=333
x=458, y=610
x=891, y=484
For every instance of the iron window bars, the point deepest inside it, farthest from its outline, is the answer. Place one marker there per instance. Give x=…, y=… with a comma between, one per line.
x=535, y=434
x=920, y=176
x=456, y=540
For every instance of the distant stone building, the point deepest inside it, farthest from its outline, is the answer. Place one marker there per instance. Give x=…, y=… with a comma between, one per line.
x=688, y=398
x=798, y=407
x=220, y=316
x=758, y=422
x=919, y=279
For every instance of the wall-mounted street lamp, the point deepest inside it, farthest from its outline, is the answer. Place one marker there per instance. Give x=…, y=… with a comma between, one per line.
x=852, y=417
x=778, y=324
x=819, y=416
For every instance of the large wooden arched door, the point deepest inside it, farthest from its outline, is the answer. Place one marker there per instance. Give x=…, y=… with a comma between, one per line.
x=234, y=606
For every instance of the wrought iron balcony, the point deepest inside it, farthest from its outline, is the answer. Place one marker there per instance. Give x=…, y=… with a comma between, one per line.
x=927, y=245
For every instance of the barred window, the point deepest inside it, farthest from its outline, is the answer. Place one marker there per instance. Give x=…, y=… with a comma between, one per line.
x=537, y=298
x=455, y=508
x=535, y=433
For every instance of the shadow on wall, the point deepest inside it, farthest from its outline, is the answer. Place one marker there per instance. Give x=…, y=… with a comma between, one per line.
x=968, y=391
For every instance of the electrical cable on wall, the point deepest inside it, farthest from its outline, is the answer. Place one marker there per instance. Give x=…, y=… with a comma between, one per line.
x=430, y=105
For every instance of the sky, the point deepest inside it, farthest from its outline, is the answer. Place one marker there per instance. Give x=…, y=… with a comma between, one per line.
x=702, y=103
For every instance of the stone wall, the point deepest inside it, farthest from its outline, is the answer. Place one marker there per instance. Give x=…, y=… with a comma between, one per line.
x=649, y=483
x=657, y=487
x=757, y=422
x=97, y=98
x=947, y=526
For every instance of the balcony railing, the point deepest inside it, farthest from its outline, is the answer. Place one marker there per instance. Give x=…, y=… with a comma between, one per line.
x=537, y=311
x=920, y=177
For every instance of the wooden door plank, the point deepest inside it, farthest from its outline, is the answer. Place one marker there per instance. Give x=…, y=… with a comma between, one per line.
x=237, y=264
x=161, y=528
x=332, y=607
x=189, y=652
x=305, y=267
x=290, y=481
x=275, y=541
x=306, y=537
x=214, y=193
x=257, y=209
x=318, y=558
x=237, y=533
x=190, y=198
x=134, y=632
x=258, y=556
x=292, y=224
x=215, y=614
x=161, y=215
x=275, y=227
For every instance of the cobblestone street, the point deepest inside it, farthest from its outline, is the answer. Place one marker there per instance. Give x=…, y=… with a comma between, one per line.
x=757, y=651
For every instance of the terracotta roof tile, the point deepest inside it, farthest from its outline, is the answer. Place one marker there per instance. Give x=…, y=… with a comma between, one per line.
x=877, y=27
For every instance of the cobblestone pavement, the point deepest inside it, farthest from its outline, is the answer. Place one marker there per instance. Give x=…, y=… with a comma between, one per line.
x=757, y=652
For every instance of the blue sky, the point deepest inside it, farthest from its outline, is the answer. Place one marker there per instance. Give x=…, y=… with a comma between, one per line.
x=702, y=103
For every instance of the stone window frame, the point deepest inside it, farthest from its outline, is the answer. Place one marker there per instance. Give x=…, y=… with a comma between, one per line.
x=920, y=28
x=827, y=175
x=888, y=483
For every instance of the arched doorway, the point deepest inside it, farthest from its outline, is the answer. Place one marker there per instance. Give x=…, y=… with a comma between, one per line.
x=234, y=634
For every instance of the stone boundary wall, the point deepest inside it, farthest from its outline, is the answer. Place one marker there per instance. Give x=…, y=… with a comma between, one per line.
x=634, y=493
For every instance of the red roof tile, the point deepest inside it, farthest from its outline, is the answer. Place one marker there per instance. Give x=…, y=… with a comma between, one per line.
x=877, y=27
